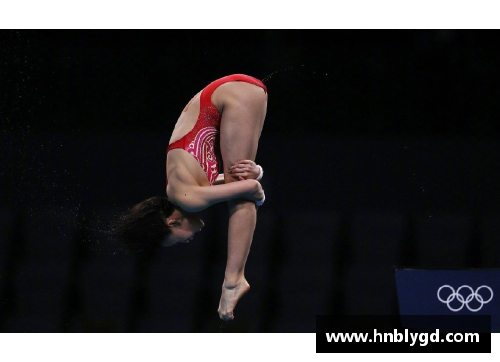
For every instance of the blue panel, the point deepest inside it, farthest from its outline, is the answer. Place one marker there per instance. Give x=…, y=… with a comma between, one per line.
x=461, y=292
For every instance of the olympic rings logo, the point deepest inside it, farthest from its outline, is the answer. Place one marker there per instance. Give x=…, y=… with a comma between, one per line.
x=479, y=297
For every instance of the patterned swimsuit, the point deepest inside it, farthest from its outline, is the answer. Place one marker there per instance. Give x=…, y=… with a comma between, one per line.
x=203, y=140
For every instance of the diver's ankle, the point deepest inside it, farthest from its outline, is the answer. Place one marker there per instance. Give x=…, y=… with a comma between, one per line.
x=231, y=282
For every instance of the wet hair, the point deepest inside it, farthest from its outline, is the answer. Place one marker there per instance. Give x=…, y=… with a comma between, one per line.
x=143, y=226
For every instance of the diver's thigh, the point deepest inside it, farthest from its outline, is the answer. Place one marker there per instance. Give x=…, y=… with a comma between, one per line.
x=241, y=127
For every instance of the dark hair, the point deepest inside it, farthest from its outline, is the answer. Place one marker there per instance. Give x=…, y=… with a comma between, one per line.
x=143, y=226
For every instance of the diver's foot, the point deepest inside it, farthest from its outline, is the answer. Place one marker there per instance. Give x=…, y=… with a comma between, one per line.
x=231, y=294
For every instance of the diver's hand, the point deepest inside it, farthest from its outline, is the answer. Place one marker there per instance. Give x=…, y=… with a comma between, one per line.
x=245, y=170
x=256, y=192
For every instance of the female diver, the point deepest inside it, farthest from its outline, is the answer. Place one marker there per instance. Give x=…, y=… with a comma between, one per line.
x=224, y=119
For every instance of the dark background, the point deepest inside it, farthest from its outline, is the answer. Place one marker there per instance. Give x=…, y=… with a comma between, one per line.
x=380, y=149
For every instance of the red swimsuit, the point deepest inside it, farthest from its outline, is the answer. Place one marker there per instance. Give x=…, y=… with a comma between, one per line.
x=203, y=140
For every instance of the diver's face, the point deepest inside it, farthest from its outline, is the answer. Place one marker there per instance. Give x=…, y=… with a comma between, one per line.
x=183, y=226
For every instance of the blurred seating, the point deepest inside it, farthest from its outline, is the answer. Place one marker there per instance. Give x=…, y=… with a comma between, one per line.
x=40, y=289
x=106, y=292
x=7, y=217
x=41, y=274
x=490, y=248
x=376, y=247
x=377, y=238
x=163, y=323
x=50, y=234
x=175, y=278
x=442, y=241
x=32, y=324
x=296, y=324
x=306, y=278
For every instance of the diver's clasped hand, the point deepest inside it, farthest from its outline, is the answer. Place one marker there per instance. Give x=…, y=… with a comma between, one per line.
x=245, y=170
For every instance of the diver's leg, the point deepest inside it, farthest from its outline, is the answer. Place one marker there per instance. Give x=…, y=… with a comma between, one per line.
x=241, y=126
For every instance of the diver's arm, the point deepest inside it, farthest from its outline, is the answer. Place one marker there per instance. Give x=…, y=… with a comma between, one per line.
x=198, y=198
